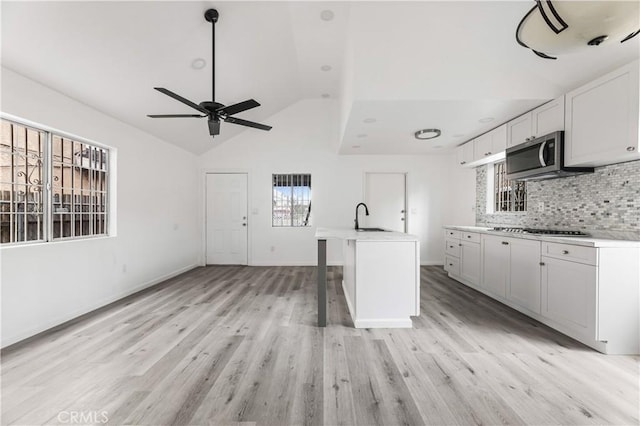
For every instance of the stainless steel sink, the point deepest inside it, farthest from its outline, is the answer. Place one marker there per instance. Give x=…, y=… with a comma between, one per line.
x=371, y=230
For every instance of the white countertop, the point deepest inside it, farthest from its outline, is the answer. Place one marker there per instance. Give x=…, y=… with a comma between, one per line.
x=352, y=234
x=578, y=241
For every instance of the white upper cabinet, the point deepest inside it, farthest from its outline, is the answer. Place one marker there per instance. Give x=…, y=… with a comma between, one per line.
x=548, y=118
x=487, y=148
x=464, y=154
x=541, y=121
x=519, y=130
x=602, y=120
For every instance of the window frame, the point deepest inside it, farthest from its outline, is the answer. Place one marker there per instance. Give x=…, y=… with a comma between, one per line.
x=273, y=200
x=492, y=193
x=47, y=184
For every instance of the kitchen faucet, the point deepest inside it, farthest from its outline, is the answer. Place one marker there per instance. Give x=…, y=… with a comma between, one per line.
x=366, y=211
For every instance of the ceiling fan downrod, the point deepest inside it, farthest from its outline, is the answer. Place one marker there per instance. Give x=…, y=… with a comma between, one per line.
x=212, y=15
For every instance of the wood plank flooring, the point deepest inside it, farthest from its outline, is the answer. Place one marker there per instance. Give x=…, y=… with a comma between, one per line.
x=239, y=345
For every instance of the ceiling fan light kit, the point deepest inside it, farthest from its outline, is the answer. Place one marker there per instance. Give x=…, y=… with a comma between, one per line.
x=214, y=111
x=560, y=27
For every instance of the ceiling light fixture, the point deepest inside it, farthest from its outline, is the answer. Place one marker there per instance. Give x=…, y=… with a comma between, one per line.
x=326, y=68
x=198, y=64
x=486, y=120
x=327, y=15
x=425, y=134
x=559, y=27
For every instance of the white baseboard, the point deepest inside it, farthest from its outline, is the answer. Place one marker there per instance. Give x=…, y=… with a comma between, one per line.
x=291, y=263
x=10, y=340
x=384, y=323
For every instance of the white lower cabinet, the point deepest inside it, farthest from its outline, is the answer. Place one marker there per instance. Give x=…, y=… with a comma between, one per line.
x=523, y=288
x=588, y=292
x=463, y=256
x=495, y=251
x=470, y=262
x=569, y=296
x=511, y=270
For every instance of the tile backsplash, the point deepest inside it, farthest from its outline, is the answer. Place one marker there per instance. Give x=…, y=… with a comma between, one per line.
x=605, y=203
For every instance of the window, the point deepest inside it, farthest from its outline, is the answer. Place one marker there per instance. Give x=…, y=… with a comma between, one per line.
x=51, y=187
x=291, y=199
x=509, y=195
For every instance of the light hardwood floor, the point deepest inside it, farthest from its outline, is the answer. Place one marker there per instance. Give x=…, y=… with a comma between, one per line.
x=228, y=345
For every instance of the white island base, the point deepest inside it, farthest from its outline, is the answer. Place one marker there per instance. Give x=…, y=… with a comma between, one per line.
x=381, y=276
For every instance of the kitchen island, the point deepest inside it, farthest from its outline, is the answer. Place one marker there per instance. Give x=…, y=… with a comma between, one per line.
x=381, y=276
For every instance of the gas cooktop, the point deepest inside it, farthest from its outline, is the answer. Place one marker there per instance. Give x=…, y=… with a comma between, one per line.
x=534, y=231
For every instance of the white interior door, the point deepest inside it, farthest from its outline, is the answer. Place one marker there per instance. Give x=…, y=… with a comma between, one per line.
x=226, y=218
x=385, y=195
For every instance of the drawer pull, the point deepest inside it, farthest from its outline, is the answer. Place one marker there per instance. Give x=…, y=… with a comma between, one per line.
x=565, y=251
x=450, y=246
x=468, y=236
x=504, y=243
x=460, y=245
x=541, y=263
x=451, y=264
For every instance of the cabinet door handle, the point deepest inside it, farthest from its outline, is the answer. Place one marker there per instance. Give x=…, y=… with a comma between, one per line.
x=504, y=243
x=541, y=263
x=451, y=264
x=565, y=251
x=631, y=148
x=460, y=245
x=468, y=236
x=463, y=162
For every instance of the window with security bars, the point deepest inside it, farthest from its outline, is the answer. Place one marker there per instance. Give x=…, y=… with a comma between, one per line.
x=509, y=195
x=51, y=187
x=291, y=200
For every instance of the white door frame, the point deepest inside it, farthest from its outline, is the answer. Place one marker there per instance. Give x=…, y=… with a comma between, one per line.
x=406, y=190
x=203, y=210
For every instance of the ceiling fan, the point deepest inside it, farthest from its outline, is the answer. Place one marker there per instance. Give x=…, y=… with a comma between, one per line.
x=214, y=111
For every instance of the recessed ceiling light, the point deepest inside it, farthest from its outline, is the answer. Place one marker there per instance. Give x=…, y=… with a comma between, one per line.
x=327, y=15
x=325, y=95
x=198, y=63
x=362, y=135
x=355, y=146
x=326, y=68
x=486, y=120
x=427, y=134
x=369, y=120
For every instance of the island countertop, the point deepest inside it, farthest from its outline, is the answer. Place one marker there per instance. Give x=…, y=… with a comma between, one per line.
x=352, y=234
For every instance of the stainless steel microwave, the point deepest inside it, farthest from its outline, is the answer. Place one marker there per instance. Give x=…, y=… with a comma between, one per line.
x=540, y=158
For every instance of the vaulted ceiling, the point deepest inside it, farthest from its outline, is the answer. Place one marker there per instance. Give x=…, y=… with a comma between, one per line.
x=390, y=67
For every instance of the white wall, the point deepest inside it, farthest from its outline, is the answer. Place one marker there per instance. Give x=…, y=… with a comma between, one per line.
x=158, y=233
x=303, y=140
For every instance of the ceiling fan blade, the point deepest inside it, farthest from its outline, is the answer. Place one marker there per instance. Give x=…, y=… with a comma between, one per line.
x=239, y=107
x=242, y=122
x=175, y=115
x=214, y=127
x=181, y=99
